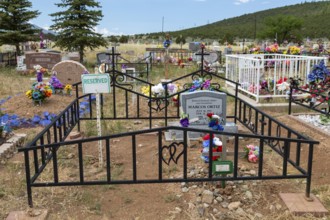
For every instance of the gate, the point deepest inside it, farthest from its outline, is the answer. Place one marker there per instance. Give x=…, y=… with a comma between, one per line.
x=44, y=150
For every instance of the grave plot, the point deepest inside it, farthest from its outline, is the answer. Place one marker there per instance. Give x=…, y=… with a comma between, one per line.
x=145, y=156
x=267, y=76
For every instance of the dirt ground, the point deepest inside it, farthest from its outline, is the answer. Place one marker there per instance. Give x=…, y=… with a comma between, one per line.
x=142, y=201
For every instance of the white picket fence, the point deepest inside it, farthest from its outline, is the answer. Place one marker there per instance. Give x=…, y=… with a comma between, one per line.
x=251, y=69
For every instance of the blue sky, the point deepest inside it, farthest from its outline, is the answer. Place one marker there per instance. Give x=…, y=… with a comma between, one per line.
x=146, y=16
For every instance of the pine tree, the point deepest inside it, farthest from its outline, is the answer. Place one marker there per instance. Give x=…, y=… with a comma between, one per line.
x=75, y=26
x=14, y=26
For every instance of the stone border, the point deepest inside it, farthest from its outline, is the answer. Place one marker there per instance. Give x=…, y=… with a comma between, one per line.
x=316, y=129
x=8, y=148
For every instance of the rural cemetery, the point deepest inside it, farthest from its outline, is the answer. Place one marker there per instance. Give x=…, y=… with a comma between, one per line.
x=161, y=129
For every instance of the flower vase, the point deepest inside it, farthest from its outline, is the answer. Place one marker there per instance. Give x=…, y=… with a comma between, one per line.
x=69, y=93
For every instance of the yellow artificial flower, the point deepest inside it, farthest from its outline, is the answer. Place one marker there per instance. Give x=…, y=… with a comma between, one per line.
x=29, y=94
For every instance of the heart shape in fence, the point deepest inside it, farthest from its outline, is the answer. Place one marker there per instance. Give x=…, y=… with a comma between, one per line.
x=172, y=150
x=159, y=103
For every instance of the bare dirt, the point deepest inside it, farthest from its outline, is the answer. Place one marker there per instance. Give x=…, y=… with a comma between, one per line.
x=143, y=201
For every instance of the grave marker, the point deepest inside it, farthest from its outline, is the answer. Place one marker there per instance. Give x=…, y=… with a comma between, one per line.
x=44, y=59
x=69, y=71
x=197, y=104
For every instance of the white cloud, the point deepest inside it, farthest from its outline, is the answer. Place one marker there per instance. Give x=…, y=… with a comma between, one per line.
x=238, y=2
x=106, y=32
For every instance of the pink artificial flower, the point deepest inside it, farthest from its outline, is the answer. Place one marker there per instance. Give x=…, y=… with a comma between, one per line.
x=252, y=158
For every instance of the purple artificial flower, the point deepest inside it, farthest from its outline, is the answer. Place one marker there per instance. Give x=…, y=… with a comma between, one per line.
x=184, y=122
x=39, y=76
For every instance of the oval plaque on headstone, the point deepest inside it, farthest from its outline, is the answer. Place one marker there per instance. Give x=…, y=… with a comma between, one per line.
x=69, y=71
x=213, y=57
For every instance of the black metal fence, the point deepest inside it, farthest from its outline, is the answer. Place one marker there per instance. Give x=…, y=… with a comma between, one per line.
x=8, y=59
x=267, y=132
x=314, y=101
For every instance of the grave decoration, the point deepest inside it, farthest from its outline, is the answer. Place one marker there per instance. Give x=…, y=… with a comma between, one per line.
x=217, y=147
x=56, y=83
x=215, y=122
x=200, y=84
x=39, y=91
x=272, y=48
x=68, y=89
x=252, y=153
x=292, y=50
x=184, y=120
x=159, y=90
x=318, y=86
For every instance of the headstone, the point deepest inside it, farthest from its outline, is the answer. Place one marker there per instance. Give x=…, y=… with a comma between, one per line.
x=212, y=57
x=197, y=104
x=44, y=59
x=74, y=56
x=228, y=50
x=103, y=58
x=69, y=71
x=194, y=46
x=21, y=66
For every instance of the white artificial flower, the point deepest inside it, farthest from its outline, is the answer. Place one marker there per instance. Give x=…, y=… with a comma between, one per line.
x=37, y=67
x=157, y=89
x=283, y=86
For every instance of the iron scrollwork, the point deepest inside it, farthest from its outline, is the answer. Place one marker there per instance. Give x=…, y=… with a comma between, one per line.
x=161, y=104
x=173, y=151
x=118, y=78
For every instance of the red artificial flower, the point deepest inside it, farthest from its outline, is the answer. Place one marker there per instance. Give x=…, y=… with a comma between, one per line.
x=210, y=114
x=207, y=137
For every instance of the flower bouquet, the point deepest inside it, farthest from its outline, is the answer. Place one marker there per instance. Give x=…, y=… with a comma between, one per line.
x=272, y=48
x=200, y=84
x=56, y=84
x=39, y=92
x=217, y=147
x=68, y=89
x=252, y=153
x=40, y=72
x=215, y=122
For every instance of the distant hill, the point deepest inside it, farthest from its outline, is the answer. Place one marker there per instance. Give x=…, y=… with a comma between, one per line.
x=315, y=16
x=49, y=33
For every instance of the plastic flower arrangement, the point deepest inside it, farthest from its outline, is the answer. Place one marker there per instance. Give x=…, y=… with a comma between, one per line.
x=272, y=48
x=252, y=153
x=40, y=72
x=184, y=120
x=215, y=122
x=159, y=89
x=200, y=84
x=293, y=50
x=39, y=92
x=318, y=74
x=167, y=42
x=255, y=50
x=56, y=83
x=217, y=147
x=68, y=89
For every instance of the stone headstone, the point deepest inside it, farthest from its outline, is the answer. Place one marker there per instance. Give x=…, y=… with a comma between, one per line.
x=69, y=71
x=103, y=58
x=228, y=50
x=44, y=59
x=21, y=66
x=212, y=57
x=74, y=56
x=194, y=46
x=197, y=104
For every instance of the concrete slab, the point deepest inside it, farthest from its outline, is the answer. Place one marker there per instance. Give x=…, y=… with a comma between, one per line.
x=36, y=214
x=299, y=205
